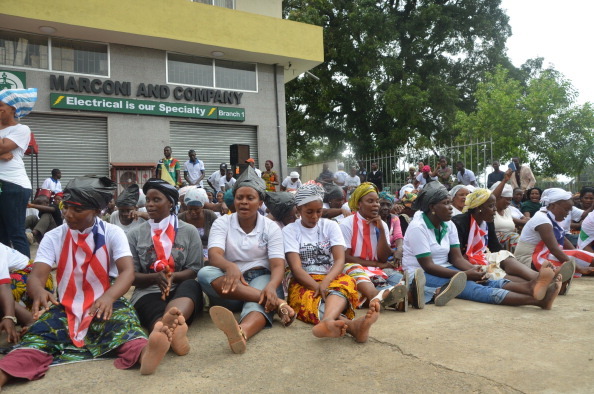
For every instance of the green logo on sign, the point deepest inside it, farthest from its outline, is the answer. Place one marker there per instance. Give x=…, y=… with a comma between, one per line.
x=13, y=80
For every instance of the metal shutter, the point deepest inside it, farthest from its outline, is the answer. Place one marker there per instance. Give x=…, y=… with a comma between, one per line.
x=77, y=145
x=211, y=142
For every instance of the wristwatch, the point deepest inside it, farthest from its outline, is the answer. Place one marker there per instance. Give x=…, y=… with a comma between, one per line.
x=14, y=319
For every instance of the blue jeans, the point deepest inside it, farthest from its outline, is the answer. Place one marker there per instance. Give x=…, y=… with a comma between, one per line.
x=13, y=205
x=491, y=292
x=257, y=278
x=394, y=277
x=429, y=291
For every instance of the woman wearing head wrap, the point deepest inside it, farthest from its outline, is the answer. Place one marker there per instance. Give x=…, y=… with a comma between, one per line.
x=94, y=271
x=507, y=218
x=246, y=255
x=543, y=238
x=432, y=243
x=127, y=216
x=423, y=178
x=167, y=255
x=458, y=195
x=16, y=186
x=532, y=204
x=270, y=177
x=198, y=216
x=282, y=207
x=368, y=249
x=319, y=291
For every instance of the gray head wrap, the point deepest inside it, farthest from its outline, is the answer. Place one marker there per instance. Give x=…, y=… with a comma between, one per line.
x=249, y=178
x=308, y=193
x=279, y=203
x=129, y=197
x=432, y=193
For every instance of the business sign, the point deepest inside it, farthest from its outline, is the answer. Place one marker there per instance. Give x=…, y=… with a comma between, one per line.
x=144, y=107
x=13, y=80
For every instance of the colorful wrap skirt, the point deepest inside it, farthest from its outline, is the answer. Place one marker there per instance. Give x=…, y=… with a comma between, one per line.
x=50, y=334
x=509, y=240
x=302, y=300
x=18, y=284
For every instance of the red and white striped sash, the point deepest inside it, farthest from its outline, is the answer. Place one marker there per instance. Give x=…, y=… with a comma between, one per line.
x=163, y=236
x=475, y=249
x=364, y=243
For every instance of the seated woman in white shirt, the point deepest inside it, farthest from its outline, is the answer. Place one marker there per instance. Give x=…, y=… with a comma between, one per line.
x=319, y=291
x=246, y=254
x=458, y=196
x=586, y=238
x=507, y=218
x=431, y=243
x=543, y=237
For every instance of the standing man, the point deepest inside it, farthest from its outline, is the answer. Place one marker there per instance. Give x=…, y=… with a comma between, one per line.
x=362, y=173
x=326, y=176
x=53, y=183
x=523, y=177
x=194, y=169
x=465, y=177
x=252, y=163
x=340, y=176
x=376, y=177
x=168, y=168
x=443, y=172
x=495, y=176
x=352, y=182
x=215, y=178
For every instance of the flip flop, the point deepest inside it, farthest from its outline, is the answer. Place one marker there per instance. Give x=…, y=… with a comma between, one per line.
x=417, y=289
x=283, y=312
x=395, y=295
x=402, y=306
x=567, y=270
x=225, y=321
x=451, y=289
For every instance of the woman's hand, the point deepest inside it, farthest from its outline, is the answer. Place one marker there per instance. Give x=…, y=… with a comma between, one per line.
x=41, y=303
x=507, y=175
x=232, y=278
x=9, y=326
x=322, y=289
x=102, y=307
x=475, y=274
x=398, y=257
x=268, y=298
x=377, y=222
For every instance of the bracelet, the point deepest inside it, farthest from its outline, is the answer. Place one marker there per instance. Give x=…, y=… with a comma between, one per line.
x=13, y=318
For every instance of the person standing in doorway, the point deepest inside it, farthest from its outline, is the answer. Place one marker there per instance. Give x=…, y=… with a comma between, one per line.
x=194, y=170
x=376, y=177
x=168, y=168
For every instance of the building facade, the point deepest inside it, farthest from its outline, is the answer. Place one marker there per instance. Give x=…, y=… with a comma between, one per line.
x=119, y=80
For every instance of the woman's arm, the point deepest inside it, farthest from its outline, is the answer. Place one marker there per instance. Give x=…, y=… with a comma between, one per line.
x=299, y=273
x=102, y=308
x=8, y=309
x=36, y=289
x=383, y=247
x=7, y=145
x=233, y=276
x=545, y=231
x=499, y=189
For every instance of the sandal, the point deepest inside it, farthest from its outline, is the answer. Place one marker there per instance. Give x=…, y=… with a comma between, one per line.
x=417, y=289
x=282, y=312
x=396, y=294
x=402, y=306
x=567, y=270
x=451, y=289
x=225, y=321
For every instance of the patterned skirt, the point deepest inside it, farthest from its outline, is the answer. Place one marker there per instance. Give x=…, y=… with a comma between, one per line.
x=508, y=240
x=302, y=300
x=50, y=334
x=18, y=283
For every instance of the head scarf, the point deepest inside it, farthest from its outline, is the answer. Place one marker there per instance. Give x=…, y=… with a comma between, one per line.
x=408, y=199
x=507, y=191
x=22, y=100
x=228, y=198
x=362, y=190
x=129, y=197
x=386, y=196
x=456, y=189
x=249, y=178
x=332, y=192
x=553, y=195
x=89, y=192
x=476, y=199
x=196, y=197
x=182, y=192
x=280, y=203
x=311, y=191
x=426, y=169
x=432, y=193
x=164, y=187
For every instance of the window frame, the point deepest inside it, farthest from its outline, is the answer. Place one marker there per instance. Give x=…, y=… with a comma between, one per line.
x=212, y=3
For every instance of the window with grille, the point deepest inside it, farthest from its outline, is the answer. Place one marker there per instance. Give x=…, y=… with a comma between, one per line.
x=23, y=50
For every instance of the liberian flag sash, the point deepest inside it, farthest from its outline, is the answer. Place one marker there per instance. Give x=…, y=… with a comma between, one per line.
x=364, y=243
x=83, y=277
x=542, y=253
x=163, y=237
x=476, y=244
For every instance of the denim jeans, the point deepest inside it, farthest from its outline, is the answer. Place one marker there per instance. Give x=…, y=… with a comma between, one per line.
x=257, y=278
x=491, y=292
x=13, y=205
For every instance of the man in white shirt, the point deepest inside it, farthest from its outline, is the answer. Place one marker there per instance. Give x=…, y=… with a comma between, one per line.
x=194, y=170
x=465, y=177
x=291, y=183
x=53, y=183
x=227, y=181
x=352, y=181
x=215, y=178
x=340, y=176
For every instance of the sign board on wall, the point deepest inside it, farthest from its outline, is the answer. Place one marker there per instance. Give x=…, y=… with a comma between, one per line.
x=13, y=80
x=144, y=107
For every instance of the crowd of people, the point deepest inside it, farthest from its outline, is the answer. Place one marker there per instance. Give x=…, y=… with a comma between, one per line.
x=262, y=247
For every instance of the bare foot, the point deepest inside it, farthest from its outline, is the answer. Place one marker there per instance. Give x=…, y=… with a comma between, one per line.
x=158, y=345
x=542, y=282
x=170, y=318
x=286, y=313
x=359, y=328
x=330, y=329
x=552, y=292
x=179, y=341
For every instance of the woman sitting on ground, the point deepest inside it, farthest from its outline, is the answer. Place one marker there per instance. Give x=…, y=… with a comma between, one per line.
x=458, y=196
x=432, y=243
x=543, y=238
x=247, y=258
x=532, y=204
x=507, y=218
x=92, y=318
x=167, y=255
x=393, y=222
x=127, y=216
x=318, y=291
x=198, y=216
x=586, y=238
x=282, y=208
x=368, y=250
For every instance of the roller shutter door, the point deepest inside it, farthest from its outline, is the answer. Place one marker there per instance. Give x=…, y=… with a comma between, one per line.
x=77, y=145
x=211, y=142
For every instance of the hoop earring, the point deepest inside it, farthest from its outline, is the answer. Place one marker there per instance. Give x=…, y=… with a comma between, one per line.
x=480, y=210
x=432, y=212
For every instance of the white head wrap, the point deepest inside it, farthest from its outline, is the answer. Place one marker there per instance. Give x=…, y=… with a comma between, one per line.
x=457, y=188
x=196, y=197
x=508, y=191
x=554, y=194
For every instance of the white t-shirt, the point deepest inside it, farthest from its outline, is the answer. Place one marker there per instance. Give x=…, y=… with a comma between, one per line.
x=313, y=244
x=289, y=185
x=49, y=184
x=515, y=212
x=226, y=184
x=115, y=219
x=215, y=178
x=116, y=241
x=505, y=223
x=467, y=178
x=346, y=226
x=258, y=172
x=194, y=171
x=13, y=170
x=352, y=181
x=529, y=233
x=422, y=181
x=420, y=241
x=339, y=218
x=10, y=260
x=574, y=216
x=251, y=250
x=340, y=177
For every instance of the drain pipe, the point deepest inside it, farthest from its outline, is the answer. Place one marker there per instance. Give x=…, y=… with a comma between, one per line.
x=278, y=126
